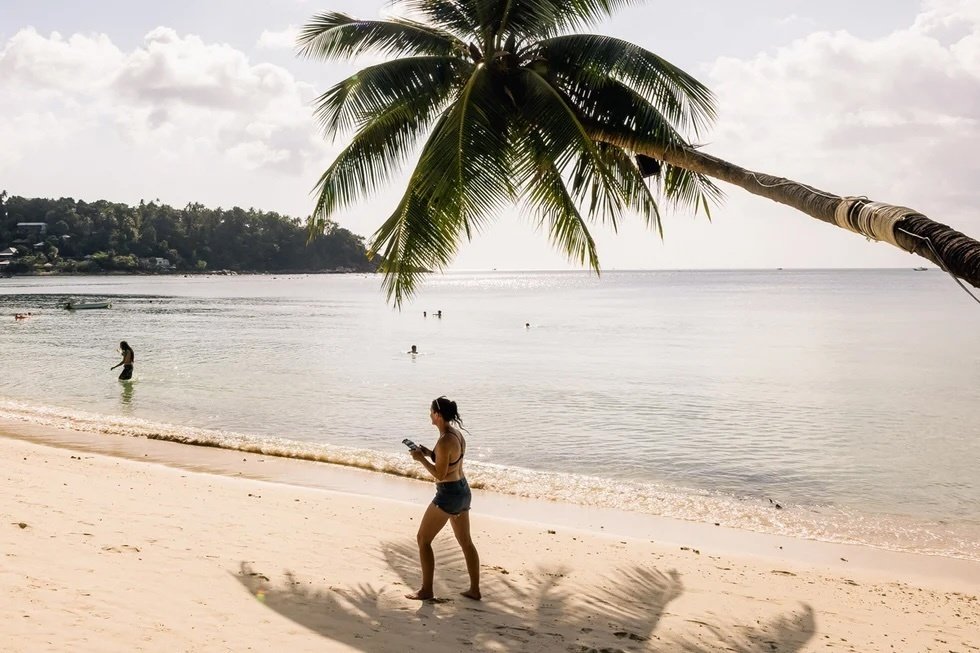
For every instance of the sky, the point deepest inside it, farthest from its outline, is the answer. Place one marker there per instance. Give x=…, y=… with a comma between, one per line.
x=205, y=101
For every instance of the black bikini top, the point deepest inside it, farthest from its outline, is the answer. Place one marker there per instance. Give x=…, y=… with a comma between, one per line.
x=462, y=451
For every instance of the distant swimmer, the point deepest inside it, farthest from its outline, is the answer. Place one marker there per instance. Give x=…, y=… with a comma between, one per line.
x=439, y=314
x=127, y=362
x=413, y=350
x=424, y=314
x=527, y=325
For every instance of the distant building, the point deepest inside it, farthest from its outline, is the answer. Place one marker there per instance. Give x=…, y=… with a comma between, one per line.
x=155, y=263
x=6, y=255
x=32, y=227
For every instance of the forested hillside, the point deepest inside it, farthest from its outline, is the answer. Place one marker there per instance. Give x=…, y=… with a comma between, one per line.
x=74, y=236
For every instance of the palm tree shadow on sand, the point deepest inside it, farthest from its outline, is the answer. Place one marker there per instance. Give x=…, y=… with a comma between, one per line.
x=785, y=634
x=544, y=611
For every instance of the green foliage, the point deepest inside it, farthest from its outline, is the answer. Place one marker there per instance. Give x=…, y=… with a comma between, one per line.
x=103, y=236
x=511, y=105
x=124, y=263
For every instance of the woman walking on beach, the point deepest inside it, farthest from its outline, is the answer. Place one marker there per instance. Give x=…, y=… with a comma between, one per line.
x=127, y=362
x=452, y=500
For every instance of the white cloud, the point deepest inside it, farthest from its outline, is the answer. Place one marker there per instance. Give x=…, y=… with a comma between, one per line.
x=895, y=118
x=284, y=39
x=173, y=94
x=79, y=64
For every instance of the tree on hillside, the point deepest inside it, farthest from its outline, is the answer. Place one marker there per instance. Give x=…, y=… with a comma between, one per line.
x=108, y=236
x=515, y=106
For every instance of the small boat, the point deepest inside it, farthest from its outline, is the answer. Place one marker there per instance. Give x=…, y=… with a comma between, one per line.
x=920, y=269
x=86, y=305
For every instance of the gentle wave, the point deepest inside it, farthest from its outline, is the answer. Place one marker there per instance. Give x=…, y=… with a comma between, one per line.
x=823, y=523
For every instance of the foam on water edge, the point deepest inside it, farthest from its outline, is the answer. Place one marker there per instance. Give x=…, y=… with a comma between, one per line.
x=823, y=523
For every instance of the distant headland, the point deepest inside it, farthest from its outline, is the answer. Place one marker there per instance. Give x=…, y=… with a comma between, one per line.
x=68, y=236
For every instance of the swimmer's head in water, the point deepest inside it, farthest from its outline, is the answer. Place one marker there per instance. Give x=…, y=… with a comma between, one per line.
x=414, y=350
x=447, y=410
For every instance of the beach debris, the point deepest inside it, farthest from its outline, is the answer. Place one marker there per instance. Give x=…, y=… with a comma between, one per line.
x=551, y=532
x=782, y=572
x=628, y=635
x=22, y=525
x=121, y=548
x=778, y=507
x=843, y=559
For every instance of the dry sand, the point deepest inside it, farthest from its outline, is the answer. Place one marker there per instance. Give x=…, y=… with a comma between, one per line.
x=114, y=553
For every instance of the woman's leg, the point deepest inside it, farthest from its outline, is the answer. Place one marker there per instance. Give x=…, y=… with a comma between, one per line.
x=432, y=522
x=461, y=529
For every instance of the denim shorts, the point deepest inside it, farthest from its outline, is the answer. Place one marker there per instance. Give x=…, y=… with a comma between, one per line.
x=453, y=497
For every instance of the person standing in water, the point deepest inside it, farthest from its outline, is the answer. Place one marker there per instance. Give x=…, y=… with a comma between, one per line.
x=452, y=500
x=127, y=362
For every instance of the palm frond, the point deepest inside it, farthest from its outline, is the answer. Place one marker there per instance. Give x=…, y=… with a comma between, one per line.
x=467, y=161
x=575, y=14
x=536, y=19
x=685, y=101
x=608, y=102
x=375, y=154
x=689, y=189
x=635, y=191
x=410, y=242
x=450, y=15
x=368, y=93
x=546, y=196
x=461, y=179
x=612, y=104
x=333, y=35
x=569, y=145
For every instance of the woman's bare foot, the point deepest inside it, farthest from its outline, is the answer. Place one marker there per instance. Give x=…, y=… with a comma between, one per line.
x=421, y=595
x=472, y=594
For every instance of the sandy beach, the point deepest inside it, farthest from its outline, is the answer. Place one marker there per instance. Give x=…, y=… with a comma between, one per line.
x=220, y=551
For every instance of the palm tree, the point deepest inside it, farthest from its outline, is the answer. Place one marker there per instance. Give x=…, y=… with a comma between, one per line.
x=515, y=107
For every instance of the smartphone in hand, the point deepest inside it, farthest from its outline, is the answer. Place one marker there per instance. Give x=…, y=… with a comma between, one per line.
x=417, y=447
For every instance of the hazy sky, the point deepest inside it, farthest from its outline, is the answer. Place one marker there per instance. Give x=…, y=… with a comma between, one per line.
x=204, y=102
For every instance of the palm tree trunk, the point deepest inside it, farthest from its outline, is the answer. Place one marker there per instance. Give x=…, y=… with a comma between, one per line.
x=904, y=228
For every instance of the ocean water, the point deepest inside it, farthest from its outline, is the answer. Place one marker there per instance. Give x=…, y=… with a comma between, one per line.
x=849, y=397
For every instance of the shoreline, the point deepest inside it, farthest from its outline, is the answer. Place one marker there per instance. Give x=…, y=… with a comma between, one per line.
x=246, y=273
x=123, y=552
x=381, y=475
x=361, y=482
